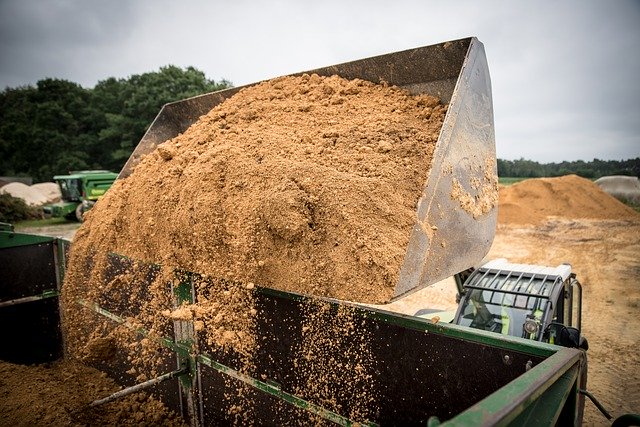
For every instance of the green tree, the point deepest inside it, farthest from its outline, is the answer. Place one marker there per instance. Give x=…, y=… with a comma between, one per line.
x=40, y=126
x=57, y=126
x=131, y=105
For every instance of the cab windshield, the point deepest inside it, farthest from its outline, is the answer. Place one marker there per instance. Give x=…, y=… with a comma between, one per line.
x=501, y=312
x=71, y=189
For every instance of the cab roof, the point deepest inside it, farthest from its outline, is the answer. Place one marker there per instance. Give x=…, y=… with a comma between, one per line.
x=85, y=174
x=520, y=279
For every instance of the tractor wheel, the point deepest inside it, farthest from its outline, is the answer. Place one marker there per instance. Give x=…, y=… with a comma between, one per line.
x=80, y=213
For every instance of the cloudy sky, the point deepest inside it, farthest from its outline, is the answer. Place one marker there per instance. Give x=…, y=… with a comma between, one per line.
x=565, y=74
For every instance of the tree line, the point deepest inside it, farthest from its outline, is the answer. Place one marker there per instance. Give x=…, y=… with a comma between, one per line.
x=57, y=125
x=594, y=169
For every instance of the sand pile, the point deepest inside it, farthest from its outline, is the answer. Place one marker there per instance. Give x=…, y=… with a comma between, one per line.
x=50, y=190
x=533, y=201
x=59, y=394
x=305, y=184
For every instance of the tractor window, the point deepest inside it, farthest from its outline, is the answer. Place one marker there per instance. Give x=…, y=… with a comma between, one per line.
x=498, y=311
x=70, y=189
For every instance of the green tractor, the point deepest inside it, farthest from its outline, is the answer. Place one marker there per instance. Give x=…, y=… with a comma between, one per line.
x=80, y=190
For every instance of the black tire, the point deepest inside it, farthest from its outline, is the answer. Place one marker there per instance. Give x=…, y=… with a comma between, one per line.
x=80, y=213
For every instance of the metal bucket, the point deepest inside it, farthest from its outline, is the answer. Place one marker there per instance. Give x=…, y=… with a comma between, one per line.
x=452, y=232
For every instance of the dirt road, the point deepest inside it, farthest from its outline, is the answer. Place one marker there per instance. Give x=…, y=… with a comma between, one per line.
x=65, y=231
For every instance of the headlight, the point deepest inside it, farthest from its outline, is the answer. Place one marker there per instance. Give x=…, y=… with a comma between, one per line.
x=531, y=326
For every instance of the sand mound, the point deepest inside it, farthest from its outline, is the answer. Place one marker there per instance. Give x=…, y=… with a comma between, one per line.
x=50, y=190
x=31, y=196
x=305, y=184
x=534, y=200
x=621, y=187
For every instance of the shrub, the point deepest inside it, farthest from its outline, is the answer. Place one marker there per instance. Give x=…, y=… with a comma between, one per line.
x=13, y=209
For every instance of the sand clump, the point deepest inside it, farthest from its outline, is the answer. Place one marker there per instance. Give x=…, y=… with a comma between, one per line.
x=534, y=201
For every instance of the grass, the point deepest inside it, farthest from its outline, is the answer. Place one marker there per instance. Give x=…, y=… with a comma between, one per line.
x=632, y=205
x=42, y=222
x=505, y=180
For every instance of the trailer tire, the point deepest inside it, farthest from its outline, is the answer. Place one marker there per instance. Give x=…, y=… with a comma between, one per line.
x=80, y=213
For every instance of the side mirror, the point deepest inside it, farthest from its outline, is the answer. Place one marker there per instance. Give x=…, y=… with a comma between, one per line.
x=569, y=337
x=584, y=344
x=566, y=336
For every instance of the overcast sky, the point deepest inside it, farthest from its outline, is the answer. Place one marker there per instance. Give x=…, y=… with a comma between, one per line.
x=565, y=74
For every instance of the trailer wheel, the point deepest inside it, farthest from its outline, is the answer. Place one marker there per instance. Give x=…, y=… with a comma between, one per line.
x=80, y=213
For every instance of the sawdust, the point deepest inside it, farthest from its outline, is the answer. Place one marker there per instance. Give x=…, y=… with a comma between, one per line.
x=59, y=394
x=533, y=201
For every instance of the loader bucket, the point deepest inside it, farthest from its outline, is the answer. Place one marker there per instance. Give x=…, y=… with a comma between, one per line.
x=457, y=211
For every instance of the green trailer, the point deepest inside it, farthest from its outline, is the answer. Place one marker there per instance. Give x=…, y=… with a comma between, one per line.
x=80, y=190
x=427, y=373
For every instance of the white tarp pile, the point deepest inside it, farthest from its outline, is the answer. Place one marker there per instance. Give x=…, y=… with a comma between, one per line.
x=34, y=195
x=621, y=187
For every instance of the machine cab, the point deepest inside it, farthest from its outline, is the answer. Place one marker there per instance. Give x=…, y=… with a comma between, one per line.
x=527, y=301
x=70, y=187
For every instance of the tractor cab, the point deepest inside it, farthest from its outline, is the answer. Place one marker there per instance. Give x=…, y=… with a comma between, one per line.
x=80, y=190
x=527, y=301
x=70, y=187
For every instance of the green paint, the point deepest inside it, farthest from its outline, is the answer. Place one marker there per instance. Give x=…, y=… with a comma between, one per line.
x=514, y=402
x=10, y=239
x=547, y=408
x=49, y=293
x=182, y=291
x=183, y=349
x=424, y=325
x=504, y=406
